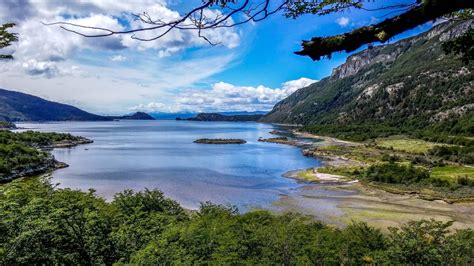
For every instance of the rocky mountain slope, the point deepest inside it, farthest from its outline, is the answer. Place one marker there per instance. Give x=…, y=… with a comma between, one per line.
x=17, y=106
x=408, y=85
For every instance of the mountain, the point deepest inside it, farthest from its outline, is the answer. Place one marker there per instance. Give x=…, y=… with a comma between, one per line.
x=219, y=117
x=17, y=106
x=184, y=116
x=407, y=86
x=171, y=116
x=244, y=113
x=134, y=116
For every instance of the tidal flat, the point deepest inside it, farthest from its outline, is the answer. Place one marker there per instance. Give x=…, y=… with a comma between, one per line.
x=381, y=205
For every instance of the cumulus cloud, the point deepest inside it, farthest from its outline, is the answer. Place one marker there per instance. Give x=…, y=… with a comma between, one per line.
x=227, y=97
x=343, y=21
x=42, y=49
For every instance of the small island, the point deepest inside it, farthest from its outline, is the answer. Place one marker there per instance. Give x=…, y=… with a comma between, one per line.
x=220, y=141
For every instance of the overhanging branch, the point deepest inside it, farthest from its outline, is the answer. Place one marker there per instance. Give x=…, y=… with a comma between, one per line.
x=319, y=47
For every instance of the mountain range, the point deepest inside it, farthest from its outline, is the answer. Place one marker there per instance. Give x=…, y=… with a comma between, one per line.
x=406, y=86
x=17, y=106
x=217, y=117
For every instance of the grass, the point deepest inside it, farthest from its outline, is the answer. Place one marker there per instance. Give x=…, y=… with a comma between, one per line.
x=307, y=175
x=346, y=171
x=359, y=153
x=451, y=173
x=414, y=146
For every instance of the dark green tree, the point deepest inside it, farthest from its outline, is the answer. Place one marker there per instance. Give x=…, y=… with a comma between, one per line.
x=6, y=38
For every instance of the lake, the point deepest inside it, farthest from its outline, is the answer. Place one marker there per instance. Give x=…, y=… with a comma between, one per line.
x=161, y=154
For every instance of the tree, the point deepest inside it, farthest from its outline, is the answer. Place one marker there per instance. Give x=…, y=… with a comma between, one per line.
x=6, y=38
x=214, y=14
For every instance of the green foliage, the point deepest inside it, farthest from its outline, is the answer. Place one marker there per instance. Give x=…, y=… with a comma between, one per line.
x=40, y=224
x=294, y=9
x=6, y=38
x=19, y=151
x=465, y=181
x=462, y=46
x=396, y=173
x=428, y=243
x=461, y=154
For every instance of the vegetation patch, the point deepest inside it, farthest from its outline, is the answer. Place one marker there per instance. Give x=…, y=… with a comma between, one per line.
x=452, y=173
x=307, y=175
x=415, y=146
x=41, y=224
x=22, y=154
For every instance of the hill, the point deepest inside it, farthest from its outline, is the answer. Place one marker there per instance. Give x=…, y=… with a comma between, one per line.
x=220, y=117
x=134, y=116
x=17, y=106
x=406, y=87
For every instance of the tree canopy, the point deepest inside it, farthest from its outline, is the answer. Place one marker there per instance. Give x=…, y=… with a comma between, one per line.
x=44, y=225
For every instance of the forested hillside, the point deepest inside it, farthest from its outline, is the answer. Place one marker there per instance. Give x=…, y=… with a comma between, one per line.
x=406, y=87
x=17, y=106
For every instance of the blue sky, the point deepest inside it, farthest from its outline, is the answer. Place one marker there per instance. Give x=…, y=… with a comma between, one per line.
x=254, y=68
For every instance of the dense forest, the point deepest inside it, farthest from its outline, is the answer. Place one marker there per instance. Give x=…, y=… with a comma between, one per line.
x=21, y=154
x=40, y=224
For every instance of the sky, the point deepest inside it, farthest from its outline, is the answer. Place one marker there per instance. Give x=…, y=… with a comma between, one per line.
x=252, y=67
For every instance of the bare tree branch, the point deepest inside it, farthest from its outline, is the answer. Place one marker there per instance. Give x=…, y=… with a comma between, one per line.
x=215, y=14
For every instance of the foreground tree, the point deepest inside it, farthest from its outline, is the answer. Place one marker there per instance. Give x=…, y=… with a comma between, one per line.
x=41, y=224
x=214, y=14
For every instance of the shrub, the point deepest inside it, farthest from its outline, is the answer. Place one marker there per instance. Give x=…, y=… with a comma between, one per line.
x=396, y=173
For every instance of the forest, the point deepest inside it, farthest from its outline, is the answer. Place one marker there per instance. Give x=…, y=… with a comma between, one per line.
x=41, y=224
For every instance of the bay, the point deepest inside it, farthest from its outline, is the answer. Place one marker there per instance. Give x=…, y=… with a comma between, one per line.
x=161, y=154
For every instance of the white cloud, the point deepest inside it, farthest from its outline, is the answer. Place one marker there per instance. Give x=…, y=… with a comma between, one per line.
x=343, y=21
x=118, y=58
x=227, y=97
x=42, y=49
x=107, y=90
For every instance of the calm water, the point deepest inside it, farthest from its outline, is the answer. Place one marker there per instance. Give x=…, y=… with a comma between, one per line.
x=161, y=154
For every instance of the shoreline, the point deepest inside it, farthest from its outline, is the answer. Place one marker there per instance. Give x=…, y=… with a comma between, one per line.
x=51, y=164
x=371, y=203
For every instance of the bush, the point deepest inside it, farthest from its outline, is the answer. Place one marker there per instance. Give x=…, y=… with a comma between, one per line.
x=40, y=224
x=396, y=173
x=465, y=181
x=464, y=154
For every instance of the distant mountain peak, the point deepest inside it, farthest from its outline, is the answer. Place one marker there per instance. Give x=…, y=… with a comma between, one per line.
x=134, y=116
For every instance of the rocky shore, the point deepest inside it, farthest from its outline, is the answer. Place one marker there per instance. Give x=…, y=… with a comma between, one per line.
x=279, y=140
x=69, y=143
